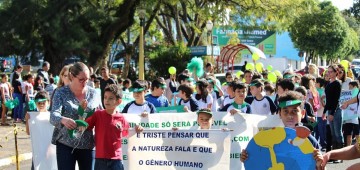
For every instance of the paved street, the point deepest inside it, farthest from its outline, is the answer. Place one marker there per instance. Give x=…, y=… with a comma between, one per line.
x=24, y=146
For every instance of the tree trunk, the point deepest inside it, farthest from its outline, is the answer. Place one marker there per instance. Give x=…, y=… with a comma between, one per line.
x=126, y=18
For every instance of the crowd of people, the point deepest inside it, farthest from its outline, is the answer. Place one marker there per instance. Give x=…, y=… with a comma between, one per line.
x=310, y=100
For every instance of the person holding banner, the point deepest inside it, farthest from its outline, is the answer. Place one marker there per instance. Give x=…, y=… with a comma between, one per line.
x=63, y=114
x=202, y=96
x=204, y=118
x=140, y=105
x=185, y=93
x=291, y=111
x=239, y=105
x=260, y=104
x=110, y=126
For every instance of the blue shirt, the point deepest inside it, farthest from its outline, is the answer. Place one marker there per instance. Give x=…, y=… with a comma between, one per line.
x=157, y=101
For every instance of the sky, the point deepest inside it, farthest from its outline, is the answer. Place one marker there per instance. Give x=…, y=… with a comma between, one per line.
x=342, y=4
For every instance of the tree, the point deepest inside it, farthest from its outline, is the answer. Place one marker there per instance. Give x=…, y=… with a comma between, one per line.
x=323, y=32
x=65, y=28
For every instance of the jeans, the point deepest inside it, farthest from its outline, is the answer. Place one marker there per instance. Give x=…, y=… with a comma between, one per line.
x=66, y=160
x=108, y=164
x=18, y=110
x=336, y=127
x=320, y=131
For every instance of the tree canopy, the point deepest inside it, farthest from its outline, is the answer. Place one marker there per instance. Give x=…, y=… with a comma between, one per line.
x=324, y=32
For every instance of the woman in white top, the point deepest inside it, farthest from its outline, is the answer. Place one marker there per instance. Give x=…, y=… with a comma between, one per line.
x=5, y=95
x=202, y=95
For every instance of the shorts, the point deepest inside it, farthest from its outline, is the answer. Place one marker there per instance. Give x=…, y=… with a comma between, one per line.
x=351, y=129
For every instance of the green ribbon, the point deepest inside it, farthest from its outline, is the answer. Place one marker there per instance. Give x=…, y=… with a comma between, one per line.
x=82, y=112
x=79, y=123
x=289, y=103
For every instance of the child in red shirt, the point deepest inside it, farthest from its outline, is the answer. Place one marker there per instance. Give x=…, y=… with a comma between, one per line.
x=110, y=127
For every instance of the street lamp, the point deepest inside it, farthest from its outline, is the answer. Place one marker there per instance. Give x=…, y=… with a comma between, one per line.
x=209, y=27
x=141, y=44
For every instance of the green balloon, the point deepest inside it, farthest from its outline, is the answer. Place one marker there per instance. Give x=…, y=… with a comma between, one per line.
x=259, y=67
x=255, y=56
x=269, y=67
x=278, y=73
x=250, y=66
x=239, y=73
x=172, y=70
x=272, y=77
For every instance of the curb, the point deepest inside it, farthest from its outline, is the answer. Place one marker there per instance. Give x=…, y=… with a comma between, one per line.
x=12, y=159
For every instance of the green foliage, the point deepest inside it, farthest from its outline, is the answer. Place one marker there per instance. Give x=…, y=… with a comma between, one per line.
x=164, y=57
x=324, y=32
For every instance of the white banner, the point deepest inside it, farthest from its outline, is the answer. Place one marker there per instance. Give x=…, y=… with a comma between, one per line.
x=244, y=127
x=351, y=111
x=44, y=153
x=181, y=149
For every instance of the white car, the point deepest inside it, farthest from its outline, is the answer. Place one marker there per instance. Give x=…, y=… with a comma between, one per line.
x=356, y=62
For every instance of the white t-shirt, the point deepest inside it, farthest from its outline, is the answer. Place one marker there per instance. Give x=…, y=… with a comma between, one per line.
x=202, y=104
x=134, y=108
x=228, y=100
x=265, y=106
x=5, y=86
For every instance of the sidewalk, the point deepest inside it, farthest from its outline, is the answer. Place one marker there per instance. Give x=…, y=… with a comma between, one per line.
x=7, y=141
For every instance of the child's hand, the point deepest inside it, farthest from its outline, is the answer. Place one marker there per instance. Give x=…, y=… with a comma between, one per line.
x=344, y=106
x=84, y=104
x=319, y=159
x=139, y=129
x=186, y=109
x=244, y=155
x=234, y=111
x=312, y=119
x=82, y=128
x=144, y=114
x=325, y=159
x=323, y=117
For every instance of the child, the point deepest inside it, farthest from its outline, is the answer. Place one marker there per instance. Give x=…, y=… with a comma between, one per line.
x=203, y=97
x=309, y=112
x=126, y=85
x=5, y=96
x=231, y=95
x=351, y=126
x=140, y=105
x=320, y=128
x=239, y=105
x=204, y=118
x=156, y=97
x=291, y=112
x=97, y=85
x=185, y=92
x=216, y=94
x=229, y=78
x=269, y=90
x=110, y=127
x=260, y=104
x=42, y=102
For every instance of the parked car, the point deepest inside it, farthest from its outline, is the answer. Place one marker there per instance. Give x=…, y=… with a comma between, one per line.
x=356, y=71
x=355, y=62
